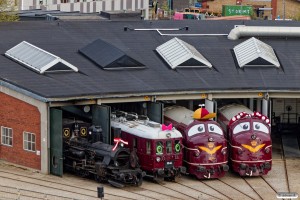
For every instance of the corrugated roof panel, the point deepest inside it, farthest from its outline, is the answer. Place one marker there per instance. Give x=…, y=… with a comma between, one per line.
x=176, y=52
x=37, y=59
x=248, y=52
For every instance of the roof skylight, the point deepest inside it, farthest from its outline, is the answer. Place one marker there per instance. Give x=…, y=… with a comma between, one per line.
x=254, y=52
x=38, y=59
x=178, y=53
x=108, y=56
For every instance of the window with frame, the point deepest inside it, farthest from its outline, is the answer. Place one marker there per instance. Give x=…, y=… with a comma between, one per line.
x=6, y=136
x=29, y=141
x=148, y=147
x=169, y=146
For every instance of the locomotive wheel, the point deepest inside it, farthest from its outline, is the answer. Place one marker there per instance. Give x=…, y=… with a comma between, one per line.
x=139, y=182
x=133, y=159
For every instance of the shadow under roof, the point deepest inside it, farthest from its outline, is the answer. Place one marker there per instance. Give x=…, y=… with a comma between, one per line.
x=254, y=52
x=108, y=56
x=38, y=59
x=178, y=53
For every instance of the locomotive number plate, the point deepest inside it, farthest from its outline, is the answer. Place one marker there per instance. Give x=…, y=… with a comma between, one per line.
x=169, y=164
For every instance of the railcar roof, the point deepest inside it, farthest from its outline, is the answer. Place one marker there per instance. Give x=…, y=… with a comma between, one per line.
x=145, y=131
x=65, y=38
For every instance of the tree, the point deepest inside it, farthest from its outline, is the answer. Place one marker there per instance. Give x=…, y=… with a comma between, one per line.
x=8, y=11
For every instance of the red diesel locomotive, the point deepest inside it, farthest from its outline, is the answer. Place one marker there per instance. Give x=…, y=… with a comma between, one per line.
x=205, y=147
x=249, y=138
x=158, y=147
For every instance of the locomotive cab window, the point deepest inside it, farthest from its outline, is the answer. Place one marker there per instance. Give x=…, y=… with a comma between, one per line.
x=6, y=136
x=159, y=147
x=148, y=147
x=169, y=146
x=29, y=141
x=134, y=143
x=213, y=128
x=199, y=128
x=241, y=127
x=257, y=126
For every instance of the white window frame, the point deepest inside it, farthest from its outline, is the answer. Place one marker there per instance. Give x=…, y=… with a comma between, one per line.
x=29, y=142
x=6, y=136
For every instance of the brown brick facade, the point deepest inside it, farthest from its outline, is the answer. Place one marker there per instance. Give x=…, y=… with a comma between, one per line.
x=20, y=116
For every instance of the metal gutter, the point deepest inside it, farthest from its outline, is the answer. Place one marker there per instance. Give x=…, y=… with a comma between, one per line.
x=22, y=91
x=251, y=31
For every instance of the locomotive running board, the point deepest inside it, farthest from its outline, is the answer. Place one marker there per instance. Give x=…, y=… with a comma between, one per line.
x=116, y=184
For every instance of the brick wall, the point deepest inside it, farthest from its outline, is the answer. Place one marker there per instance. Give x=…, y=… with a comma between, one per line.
x=20, y=116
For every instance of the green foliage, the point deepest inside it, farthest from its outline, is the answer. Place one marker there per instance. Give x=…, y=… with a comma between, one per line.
x=8, y=11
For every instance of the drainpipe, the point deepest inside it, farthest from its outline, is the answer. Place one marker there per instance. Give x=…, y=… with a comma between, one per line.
x=274, y=10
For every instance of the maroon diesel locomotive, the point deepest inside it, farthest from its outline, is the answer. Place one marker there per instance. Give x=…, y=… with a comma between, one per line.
x=249, y=138
x=205, y=147
x=157, y=146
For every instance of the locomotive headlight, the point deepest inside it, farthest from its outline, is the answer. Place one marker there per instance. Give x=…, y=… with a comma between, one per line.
x=158, y=159
x=116, y=163
x=240, y=151
x=197, y=153
x=122, y=145
x=267, y=150
x=224, y=151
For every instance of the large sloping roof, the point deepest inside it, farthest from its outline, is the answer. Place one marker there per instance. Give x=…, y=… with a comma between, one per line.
x=64, y=39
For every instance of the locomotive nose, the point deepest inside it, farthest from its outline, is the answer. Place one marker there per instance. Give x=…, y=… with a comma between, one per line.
x=210, y=139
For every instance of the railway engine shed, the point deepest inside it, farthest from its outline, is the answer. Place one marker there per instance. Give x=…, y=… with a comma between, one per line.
x=51, y=72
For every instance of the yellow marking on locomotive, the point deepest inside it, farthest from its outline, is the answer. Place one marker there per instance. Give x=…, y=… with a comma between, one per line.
x=210, y=151
x=253, y=150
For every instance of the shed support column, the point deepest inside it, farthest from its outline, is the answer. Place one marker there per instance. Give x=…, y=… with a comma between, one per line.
x=265, y=104
x=251, y=103
x=209, y=105
x=258, y=105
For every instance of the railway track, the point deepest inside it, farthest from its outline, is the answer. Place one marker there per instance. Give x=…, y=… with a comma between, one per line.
x=230, y=186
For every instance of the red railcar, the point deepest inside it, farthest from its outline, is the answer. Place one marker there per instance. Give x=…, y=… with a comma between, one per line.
x=205, y=147
x=249, y=137
x=158, y=147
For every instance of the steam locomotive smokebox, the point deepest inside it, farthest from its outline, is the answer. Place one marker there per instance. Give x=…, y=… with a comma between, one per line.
x=95, y=134
x=100, y=191
x=115, y=133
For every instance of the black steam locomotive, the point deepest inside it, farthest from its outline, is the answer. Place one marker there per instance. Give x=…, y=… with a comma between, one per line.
x=86, y=155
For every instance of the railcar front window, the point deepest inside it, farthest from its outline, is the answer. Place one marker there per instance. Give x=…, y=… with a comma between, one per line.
x=199, y=128
x=29, y=141
x=241, y=127
x=6, y=136
x=159, y=147
x=169, y=146
x=257, y=126
x=213, y=128
x=148, y=147
x=177, y=146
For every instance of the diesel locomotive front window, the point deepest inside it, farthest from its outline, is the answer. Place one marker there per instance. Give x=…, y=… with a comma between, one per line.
x=244, y=126
x=6, y=136
x=199, y=128
x=29, y=141
x=213, y=128
x=257, y=126
x=148, y=147
x=159, y=147
x=169, y=146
